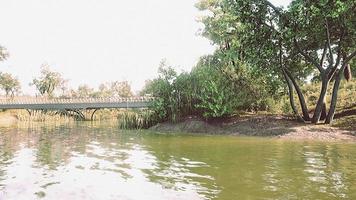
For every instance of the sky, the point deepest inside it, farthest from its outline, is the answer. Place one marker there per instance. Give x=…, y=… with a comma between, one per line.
x=96, y=41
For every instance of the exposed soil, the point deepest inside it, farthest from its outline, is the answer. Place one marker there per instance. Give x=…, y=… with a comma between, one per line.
x=261, y=125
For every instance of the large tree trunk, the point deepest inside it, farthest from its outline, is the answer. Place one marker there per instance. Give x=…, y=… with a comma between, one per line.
x=332, y=109
x=300, y=97
x=321, y=100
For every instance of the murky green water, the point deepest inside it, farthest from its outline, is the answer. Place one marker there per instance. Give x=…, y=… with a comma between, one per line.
x=98, y=161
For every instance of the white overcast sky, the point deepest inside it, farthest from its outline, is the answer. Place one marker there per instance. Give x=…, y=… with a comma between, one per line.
x=96, y=41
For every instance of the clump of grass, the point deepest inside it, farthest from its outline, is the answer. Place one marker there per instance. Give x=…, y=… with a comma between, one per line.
x=137, y=119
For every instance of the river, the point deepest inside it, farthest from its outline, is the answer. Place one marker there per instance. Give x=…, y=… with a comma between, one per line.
x=84, y=160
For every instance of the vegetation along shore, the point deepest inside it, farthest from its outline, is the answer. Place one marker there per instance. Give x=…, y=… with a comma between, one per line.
x=284, y=67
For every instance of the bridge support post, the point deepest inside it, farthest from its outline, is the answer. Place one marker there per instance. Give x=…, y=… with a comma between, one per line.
x=92, y=115
x=80, y=114
x=29, y=112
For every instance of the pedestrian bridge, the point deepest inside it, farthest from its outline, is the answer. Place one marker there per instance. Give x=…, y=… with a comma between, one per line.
x=76, y=105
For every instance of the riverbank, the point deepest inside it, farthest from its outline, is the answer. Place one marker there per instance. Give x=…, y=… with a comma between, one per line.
x=262, y=125
x=276, y=126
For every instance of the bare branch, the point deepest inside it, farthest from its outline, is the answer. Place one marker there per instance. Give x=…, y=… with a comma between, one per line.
x=323, y=55
x=346, y=60
x=277, y=10
x=331, y=57
x=308, y=57
x=331, y=71
x=349, y=57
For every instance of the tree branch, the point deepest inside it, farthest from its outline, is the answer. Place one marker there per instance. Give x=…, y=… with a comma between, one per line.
x=323, y=55
x=331, y=71
x=348, y=58
x=308, y=57
x=331, y=57
x=277, y=10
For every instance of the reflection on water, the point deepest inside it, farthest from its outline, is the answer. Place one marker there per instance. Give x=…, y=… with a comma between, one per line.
x=98, y=161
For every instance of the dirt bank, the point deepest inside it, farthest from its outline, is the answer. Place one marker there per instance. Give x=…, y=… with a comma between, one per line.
x=267, y=125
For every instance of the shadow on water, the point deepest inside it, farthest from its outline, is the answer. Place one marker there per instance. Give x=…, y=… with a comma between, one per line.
x=83, y=160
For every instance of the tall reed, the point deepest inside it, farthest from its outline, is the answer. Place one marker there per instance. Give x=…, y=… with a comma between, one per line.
x=141, y=119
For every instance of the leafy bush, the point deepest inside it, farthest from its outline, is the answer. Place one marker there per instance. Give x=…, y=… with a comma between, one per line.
x=215, y=101
x=212, y=89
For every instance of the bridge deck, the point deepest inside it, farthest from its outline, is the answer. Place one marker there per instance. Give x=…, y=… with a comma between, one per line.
x=84, y=103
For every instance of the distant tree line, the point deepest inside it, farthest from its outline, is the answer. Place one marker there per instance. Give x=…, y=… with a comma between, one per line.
x=51, y=84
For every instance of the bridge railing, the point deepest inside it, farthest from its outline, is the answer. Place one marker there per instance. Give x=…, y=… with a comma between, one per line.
x=73, y=100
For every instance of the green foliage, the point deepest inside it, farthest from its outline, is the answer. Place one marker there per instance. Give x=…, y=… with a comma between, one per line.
x=214, y=100
x=353, y=67
x=172, y=91
x=212, y=89
x=309, y=38
x=9, y=84
x=285, y=106
x=233, y=86
x=215, y=95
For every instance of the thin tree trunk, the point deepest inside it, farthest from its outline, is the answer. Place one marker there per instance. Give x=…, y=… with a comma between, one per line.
x=323, y=112
x=291, y=98
x=300, y=97
x=332, y=109
x=321, y=100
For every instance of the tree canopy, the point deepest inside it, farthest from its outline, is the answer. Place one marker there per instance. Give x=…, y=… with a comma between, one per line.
x=9, y=84
x=292, y=44
x=48, y=81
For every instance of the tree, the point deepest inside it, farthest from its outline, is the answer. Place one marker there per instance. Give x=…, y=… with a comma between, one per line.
x=84, y=91
x=166, y=103
x=48, y=81
x=9, y=84
x=104, y=90
x=291, y=44
x=63, y=86
x=121, y=89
